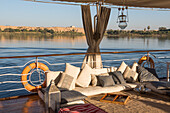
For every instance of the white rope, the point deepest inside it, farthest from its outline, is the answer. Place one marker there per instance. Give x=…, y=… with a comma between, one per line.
x=163, y=57
x=11, y=67
x=57, y=64
x=10, y=82
x=13, y=90
x=120, y=60
x=24, y=64
x=13, y=74
x=3, y=82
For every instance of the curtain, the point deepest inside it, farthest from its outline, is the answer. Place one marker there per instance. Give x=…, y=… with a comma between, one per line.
x=94, y=38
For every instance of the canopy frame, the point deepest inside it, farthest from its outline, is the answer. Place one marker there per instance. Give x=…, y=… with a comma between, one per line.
x=164, y=4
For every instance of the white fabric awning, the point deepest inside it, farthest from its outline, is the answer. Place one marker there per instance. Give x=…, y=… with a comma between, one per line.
x=131, y=3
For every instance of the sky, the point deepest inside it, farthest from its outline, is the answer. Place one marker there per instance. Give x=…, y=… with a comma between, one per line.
x=25, y=13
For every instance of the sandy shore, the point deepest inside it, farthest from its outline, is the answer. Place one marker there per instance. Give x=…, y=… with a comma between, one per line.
x=138, y=103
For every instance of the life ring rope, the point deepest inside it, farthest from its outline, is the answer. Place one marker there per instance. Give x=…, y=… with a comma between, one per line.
x=27, y=72
x=145, y=58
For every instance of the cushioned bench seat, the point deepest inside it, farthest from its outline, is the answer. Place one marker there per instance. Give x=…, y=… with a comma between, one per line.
x=71, y=96
x=66, y=95
x=94, y=90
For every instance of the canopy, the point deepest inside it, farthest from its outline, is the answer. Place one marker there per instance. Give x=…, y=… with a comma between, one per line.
x=131, y=3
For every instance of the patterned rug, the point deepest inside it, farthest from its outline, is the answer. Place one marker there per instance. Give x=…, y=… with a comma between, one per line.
x=82, y=108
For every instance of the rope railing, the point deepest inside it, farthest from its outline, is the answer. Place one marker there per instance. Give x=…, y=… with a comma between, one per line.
x=52, y=64
x=9, y=90
x=17, y=81
x=69, y=54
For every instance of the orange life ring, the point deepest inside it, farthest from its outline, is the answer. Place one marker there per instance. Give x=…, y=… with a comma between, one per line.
x=144, y=58
x=25, y=72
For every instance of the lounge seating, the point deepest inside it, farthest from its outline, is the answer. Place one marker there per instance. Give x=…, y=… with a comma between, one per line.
x=74, y=84
x=160, y=87
x=94, y=90
x=74, y=95
x=67, y=96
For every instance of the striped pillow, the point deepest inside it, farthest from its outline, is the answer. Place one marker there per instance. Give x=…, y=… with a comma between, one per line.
x=145, y=75
x=66, y=81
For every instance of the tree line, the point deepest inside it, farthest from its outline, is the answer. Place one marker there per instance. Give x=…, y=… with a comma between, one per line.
x=43, y=31
x=160, y=31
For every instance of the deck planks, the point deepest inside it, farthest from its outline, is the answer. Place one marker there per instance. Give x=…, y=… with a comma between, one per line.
x=25, y=104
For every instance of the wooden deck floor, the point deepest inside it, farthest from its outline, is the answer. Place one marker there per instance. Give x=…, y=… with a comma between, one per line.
x=25, y=104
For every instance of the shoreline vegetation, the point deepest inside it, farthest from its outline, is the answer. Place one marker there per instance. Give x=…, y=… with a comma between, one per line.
x=43, y=32
x=161, y=32
x=72, y=31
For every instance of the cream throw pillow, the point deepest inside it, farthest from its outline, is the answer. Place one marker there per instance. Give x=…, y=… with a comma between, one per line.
x=72, y=71
x=52, y=75
x=84, y=77
x=122, y=67
x=134, y=66
x=130, y=75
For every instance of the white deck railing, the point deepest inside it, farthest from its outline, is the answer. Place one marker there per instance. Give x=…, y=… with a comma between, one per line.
x=57, y=64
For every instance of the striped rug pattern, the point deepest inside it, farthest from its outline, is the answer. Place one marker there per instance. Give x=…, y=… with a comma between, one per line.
x=83, y=108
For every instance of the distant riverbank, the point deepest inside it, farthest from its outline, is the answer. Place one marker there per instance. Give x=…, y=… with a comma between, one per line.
x=73, y=31
x=38, y=34
x=45, y=31
x=139, y=33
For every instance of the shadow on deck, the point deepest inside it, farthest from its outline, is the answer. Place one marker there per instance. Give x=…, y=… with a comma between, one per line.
x=23, y=104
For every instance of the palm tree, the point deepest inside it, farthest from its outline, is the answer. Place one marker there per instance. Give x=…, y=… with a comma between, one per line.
x=144, y=29
x=148, y=28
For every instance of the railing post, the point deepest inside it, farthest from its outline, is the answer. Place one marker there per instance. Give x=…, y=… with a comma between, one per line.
x=36, y=62
x=148, y=59
x=168, y=71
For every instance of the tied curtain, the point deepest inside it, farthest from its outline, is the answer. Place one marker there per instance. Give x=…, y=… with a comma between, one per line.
x=94, y=37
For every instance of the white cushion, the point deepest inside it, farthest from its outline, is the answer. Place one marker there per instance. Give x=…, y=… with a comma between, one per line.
x=125, y=74
x=134, y=66
x=51, y=75
x=99, y=71
x=122, y=67
x=95, y=90
x=72, y=71
x=84, y=77
x=130, y=75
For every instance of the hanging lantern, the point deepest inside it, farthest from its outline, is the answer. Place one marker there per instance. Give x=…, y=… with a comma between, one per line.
x=122, y=17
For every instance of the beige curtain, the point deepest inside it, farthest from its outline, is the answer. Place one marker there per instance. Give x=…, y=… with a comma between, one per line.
x=94, y=38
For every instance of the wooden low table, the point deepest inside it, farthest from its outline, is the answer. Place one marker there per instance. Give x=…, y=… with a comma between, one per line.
x=115, y=98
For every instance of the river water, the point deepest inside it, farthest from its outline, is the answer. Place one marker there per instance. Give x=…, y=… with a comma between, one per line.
x=21, y=45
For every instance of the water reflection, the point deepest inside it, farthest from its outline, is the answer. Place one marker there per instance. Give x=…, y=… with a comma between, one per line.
x=37, y=40
x=23, y=104
x=137, y=42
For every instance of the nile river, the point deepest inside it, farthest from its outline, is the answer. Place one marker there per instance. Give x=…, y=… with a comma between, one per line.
x=22, y=45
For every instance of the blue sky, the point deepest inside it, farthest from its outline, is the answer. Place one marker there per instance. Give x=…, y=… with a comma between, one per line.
x=24, y=13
